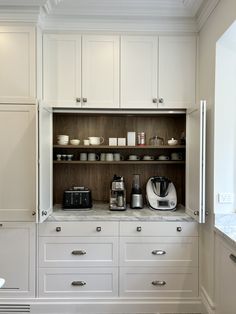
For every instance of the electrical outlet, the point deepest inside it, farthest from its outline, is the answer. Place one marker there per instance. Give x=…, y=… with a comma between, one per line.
x=224, y=198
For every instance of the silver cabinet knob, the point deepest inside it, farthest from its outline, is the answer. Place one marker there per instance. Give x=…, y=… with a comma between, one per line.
x=44, y=213
x=33, y=213
x=78, y=252
x=78, y=283
x=158, y=252
x=84, y=99
x=154, y=100
x=158, y=283
x=99, y=229
x=161, y=100
x=58, y=229
x=139, y=229
x=78, y=99
x=179, y=229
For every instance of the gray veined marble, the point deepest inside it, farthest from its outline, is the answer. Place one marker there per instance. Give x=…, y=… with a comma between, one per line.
x=100, y=211
x=226, y=225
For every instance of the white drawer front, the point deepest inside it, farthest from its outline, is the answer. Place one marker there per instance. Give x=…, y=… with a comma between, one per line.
x=158, y=229
x=78, y=282
x=84, y=228
x=159, y=251
x=159, y=282
x=78, y=251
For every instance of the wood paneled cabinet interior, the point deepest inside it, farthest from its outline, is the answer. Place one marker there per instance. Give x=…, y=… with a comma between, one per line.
x=66, y=85
x=69, y=169
x=225, y=274
x=17, y=262
x=17, y=64
x=156, y=72
x=77, y=260
x=18, y=167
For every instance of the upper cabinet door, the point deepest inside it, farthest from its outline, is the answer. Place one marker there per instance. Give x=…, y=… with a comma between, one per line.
x=18, y=166
x=139, y=55
x=17, y=64
x=100, y=71
x=195, y=162
x=62, y=70
x=177, y=71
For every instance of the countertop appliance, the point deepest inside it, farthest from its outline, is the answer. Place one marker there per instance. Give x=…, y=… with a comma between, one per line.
x=77, y=198
x=161, y=193
x=117, y=194
x=136, y=199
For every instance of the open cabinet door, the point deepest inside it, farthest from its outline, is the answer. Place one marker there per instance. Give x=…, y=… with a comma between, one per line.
x=45, y=162
x=195, y=161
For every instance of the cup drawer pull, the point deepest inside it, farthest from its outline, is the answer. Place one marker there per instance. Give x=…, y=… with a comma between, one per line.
x=158, y=252
x=78, y=283
x=78, y=252
x=158, y=283
x=233, y=257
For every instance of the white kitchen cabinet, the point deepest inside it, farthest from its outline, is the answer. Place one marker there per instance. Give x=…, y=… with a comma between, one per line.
x=177, y=71
x=100, y=71
x=81, y=74
x=62, y=70
x=225, y=274
x=17, y=64
x=17, y=262
x=139, y=71
x=18, y=167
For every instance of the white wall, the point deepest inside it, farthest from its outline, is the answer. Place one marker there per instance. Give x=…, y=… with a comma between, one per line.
x=218, y=22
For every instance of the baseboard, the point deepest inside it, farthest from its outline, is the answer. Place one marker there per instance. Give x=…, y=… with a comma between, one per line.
x=207, y=303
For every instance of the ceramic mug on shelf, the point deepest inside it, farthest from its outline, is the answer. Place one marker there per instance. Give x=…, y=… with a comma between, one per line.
x=176, y=156
x=118, y=157
x=147, y=157
x=83, y=156
x=103, y=156
x=86, y=142
x=109, y=157
x=163, y=157
x=134, y=157
x=96, y=140
x=92, y=157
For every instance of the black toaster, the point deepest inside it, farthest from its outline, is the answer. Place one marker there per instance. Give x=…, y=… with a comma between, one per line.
x=77, y=197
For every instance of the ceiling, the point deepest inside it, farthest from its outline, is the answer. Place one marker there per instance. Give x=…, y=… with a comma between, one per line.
x=153, y=15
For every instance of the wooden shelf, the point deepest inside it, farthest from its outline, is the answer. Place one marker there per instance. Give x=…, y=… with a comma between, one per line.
x=124, y=162
x=118, y=147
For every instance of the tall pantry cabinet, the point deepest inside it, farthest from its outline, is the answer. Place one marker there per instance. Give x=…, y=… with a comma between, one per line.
x=18, y=167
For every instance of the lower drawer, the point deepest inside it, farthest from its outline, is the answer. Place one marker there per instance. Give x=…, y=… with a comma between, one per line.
x=159, y=282
x=78, y=282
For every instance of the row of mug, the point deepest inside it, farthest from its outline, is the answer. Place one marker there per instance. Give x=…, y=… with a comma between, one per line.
x=118, y=157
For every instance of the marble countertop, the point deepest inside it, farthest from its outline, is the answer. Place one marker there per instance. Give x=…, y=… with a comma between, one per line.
x=225, y=225
x=100, y=211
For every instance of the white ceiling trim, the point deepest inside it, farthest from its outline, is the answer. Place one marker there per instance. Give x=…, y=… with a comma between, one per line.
x=20, y=14
x=205, y=12
x=50, y=4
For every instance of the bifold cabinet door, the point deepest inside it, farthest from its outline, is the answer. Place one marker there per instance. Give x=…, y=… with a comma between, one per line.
x=17, y=262
x=195, y=162
x=62, y=70
x=17, y=64
x=18, y=168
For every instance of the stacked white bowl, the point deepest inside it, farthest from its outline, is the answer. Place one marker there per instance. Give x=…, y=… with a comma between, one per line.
x=62, y=139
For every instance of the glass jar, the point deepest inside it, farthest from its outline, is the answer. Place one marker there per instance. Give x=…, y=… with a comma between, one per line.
x=156, y=141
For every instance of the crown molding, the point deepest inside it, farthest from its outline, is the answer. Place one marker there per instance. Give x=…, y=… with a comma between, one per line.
x=28, y=14
x=205, y=11
x=161, y=25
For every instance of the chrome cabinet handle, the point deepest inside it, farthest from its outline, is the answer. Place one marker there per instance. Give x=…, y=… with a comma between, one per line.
x=158, y=252
x=233, y=257
x=154, y=100
x=44, y=213
x=58, y=229
x=158, y=283
x=78, y=252
x=78, y=99
x=161, y=100
x=78, y=283
x=84, y=99
x=99, y=229
x=179, y=229
x=139, y=229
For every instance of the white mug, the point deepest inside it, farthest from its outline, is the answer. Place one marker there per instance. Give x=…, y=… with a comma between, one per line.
x=103, y=156
x=134, y=157
x=109, y=157
x=83, y=156
x=176, y=156
x=118, y=157
x=62, y=139
x=147, y=157
x=163, y=157
x=92, y=157
x=86, y=142
x=96, y=140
